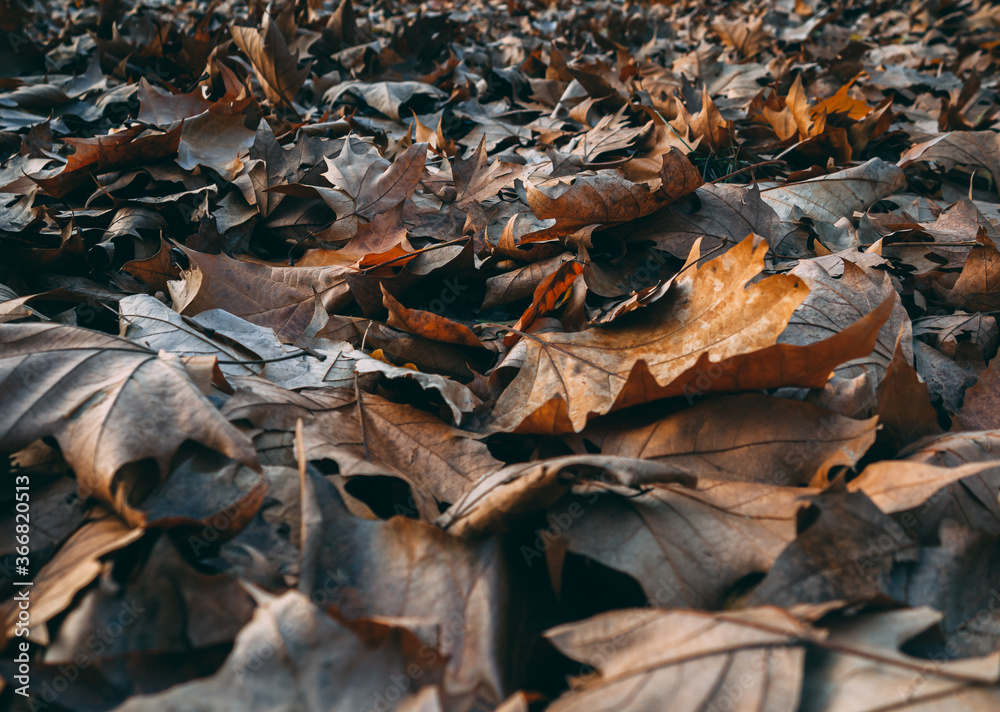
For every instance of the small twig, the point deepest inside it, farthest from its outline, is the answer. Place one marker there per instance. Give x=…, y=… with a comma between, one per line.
x=286, y=357
x=361, y=415
x=745, y=168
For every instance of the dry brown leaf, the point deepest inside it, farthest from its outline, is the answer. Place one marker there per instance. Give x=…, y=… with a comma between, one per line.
x=376, y=438
x=726, y=214
x=648, y=655
x=860, y=668
x=365, y=184
x=833, y=559
x=606, y=198
x=477, y=180
x=275, y=67
x=835, y=303
x=294, y=657
x=290, y=300
x=746, y=36
x=837, y=195
x=127, y=404
x=905, y=411
x=73, y=568
x=981, y=407
x=428, y=324
x=748, y=438
x=503, y=499
x=978, y=286
x=710, y=334
x=964, y=148
x=690, y=545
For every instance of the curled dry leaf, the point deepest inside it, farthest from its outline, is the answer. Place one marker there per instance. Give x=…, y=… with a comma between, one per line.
x=117, y=395
x=686, y=545
x=428, y=324
x=290, y=300
x=606, y=198
x=294, y=657
x=711, y=333
x=498, y=502
x=275, y=67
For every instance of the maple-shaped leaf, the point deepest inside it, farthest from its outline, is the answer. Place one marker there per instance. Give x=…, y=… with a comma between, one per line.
x=708, y=124
x=365, y=184
x=843, y=103
x=609, y=135
x=274, y=165
x=477, y=180
x=793, y=115
x=275, y=67
x=290, y=300
x=746, y=36
x=93, y=156
x=127, y=405
x=700, y=337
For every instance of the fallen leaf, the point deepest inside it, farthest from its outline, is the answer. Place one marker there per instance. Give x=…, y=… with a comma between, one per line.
x=119, y=394
x=275, y=67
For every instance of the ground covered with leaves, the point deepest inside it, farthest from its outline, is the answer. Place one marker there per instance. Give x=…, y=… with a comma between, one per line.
x=455, y=357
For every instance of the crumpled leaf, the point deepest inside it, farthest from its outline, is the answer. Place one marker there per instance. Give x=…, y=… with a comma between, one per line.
x=284, y=657
x=690, y=545
x=291, y=300
x=711, y=318
x=125, y=405
x=275, y=67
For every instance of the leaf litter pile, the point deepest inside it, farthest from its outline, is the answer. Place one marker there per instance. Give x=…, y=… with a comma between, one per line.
x=501, y=356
